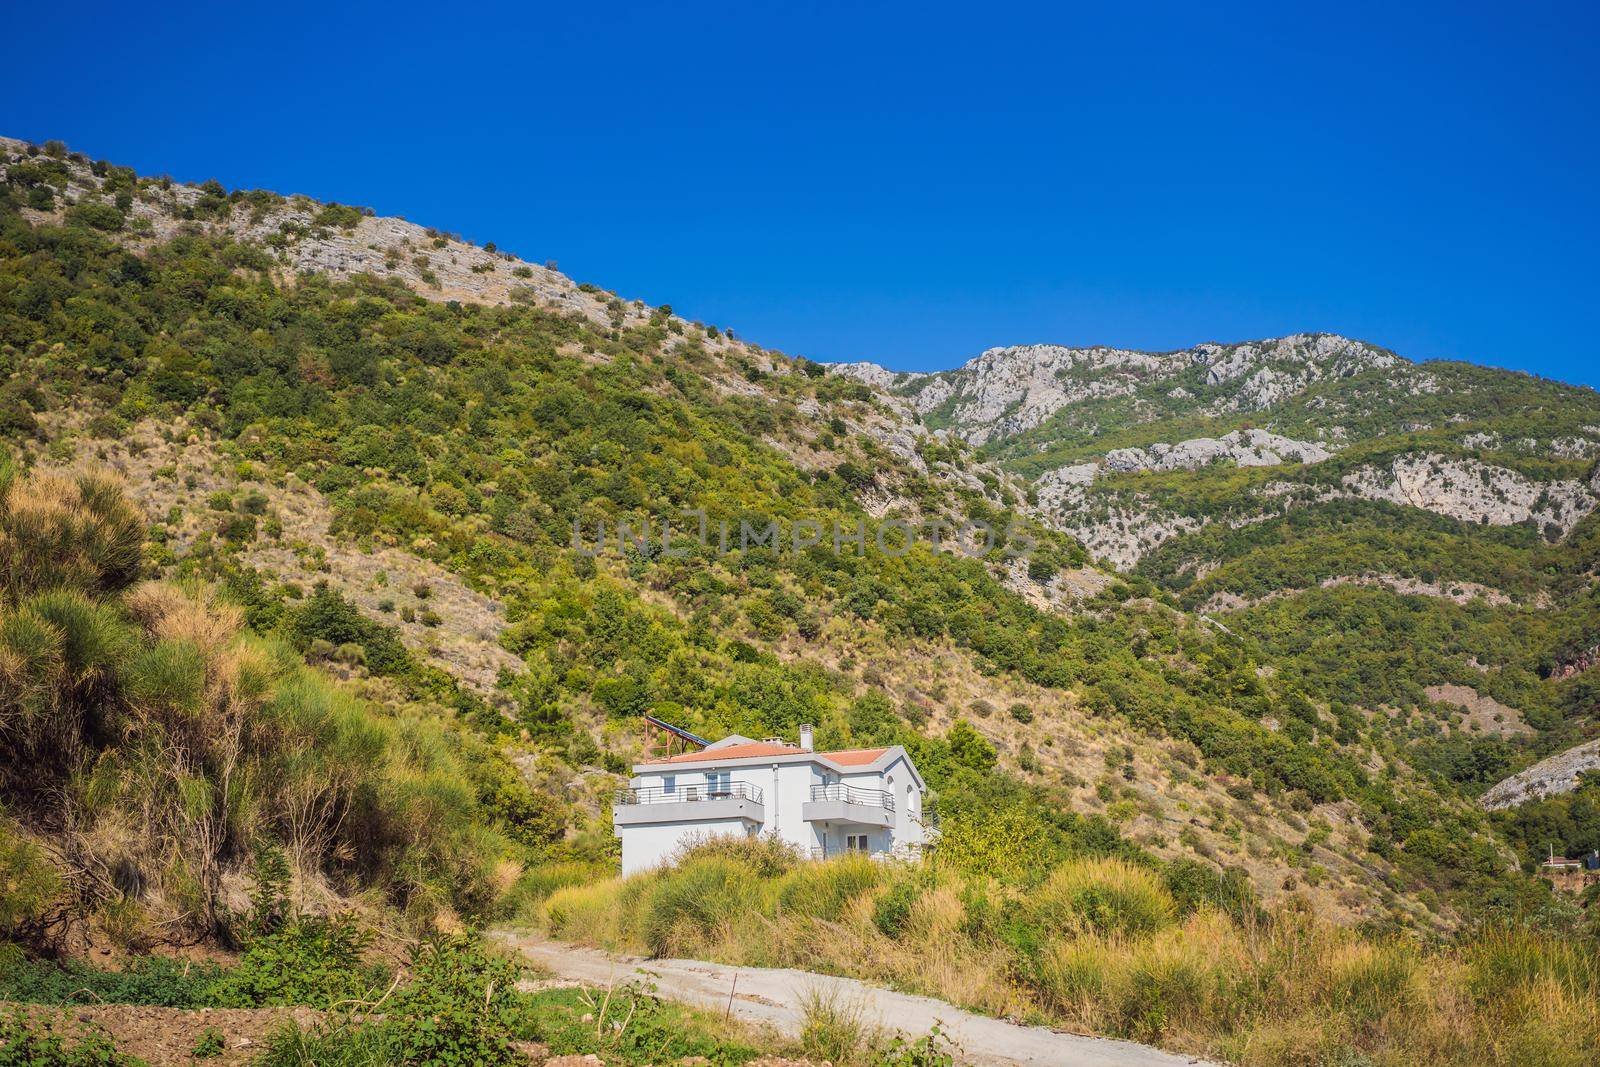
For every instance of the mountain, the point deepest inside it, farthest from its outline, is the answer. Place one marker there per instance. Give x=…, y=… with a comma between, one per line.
x=1469, y=443
x=379, y=442
x=1420, y=536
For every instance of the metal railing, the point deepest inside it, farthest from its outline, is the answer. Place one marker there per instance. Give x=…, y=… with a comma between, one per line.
x=830, y=852
x=850, y=794
x=688, y=793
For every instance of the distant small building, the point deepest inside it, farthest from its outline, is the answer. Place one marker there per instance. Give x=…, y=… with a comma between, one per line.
x=1557, y=863
x=864, y=800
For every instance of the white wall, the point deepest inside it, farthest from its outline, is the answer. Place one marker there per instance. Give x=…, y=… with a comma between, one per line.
x=644, y=847
x=786, y=788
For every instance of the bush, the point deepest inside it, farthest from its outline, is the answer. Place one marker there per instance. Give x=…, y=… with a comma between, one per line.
x=95, y=215
x=763, y=857
x=680, y=908
x=1195, y=884
x=459, y=1007
x=30, y=886
x=329, y=617
x=823, y=890
x=337, y=217
x=833, y=1027
x=309, y=960
x=1103, y=896
x=892, y=910
x=77, y=533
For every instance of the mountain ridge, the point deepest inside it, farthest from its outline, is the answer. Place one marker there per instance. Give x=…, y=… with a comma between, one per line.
x=439, y=409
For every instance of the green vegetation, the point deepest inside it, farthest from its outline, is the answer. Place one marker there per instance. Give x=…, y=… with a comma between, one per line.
x=169, y=722
x=46, y=1042
x=162, y=743
x=454, y=1002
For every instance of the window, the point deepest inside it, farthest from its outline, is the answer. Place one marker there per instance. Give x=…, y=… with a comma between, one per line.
x=669, y=783
x=856, y=843
x=717, y=783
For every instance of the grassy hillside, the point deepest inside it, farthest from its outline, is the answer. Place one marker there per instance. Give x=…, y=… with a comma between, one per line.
x=469, y=437
x=334, y=611
x=150, y=745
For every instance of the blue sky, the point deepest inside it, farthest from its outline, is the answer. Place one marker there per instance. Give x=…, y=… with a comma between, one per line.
x=913, y=183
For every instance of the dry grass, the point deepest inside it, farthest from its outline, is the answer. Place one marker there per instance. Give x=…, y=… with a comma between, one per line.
x=1101, y=948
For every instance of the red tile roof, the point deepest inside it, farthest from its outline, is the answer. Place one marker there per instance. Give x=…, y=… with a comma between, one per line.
x=855, y=757
x=745, y=751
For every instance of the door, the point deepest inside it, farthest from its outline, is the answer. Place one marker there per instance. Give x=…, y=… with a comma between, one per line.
x=718, y=783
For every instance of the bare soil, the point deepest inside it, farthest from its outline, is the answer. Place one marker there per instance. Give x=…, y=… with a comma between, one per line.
x=169, y=1035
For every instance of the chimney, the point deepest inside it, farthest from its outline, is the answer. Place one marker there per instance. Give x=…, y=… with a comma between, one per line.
x=806, y=744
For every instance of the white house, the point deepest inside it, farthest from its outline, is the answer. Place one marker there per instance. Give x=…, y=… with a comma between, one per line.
x=865, y=800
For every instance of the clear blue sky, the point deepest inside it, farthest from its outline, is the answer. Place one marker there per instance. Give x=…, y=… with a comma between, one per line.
x=913, y=183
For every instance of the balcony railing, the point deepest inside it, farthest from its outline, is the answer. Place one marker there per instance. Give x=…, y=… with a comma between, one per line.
x=688, y=794
x=850, y=794
x=826, y=852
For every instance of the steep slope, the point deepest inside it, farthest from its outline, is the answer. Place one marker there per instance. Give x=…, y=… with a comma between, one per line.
x=1387, y=530
x=321, y=424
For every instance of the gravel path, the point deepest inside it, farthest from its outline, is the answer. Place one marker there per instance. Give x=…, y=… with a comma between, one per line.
x=772, y=998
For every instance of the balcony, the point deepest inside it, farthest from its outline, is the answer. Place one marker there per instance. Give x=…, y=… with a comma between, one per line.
x=688, y=803
x=849, y=804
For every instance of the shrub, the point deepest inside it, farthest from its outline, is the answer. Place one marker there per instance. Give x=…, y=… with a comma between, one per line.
x=460, y=1006
x=586, y=912
x=536, y=885
x=531, y=817
x=97, y=216
x=823, y=890
x=328, y=616
x=338, y=217
x=684, y=905
x=891, y=911
x=309, y=960
x=1368, y=981
x=59, y=532
x=30, y=886
x=833, y=1027
x=930, y=1050
x=1195, y=884
x=763, y=857
x=1104, y=896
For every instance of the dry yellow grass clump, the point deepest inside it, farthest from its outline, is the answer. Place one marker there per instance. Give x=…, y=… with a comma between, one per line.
x=1102, y=946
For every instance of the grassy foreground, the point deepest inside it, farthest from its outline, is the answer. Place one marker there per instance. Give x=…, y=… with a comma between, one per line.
x=1110, y=947
x=454, y=1002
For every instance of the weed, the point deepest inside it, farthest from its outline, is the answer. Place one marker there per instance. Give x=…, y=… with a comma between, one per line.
x=833, y=1026
x=210, y=1044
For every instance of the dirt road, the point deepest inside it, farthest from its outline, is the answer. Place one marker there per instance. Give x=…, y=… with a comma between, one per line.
x=772, y=998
